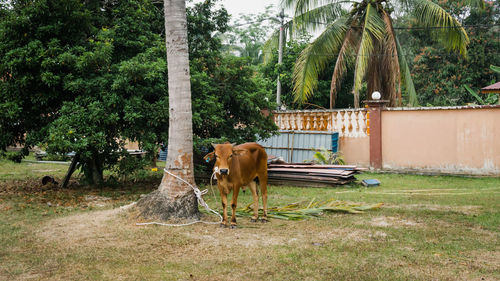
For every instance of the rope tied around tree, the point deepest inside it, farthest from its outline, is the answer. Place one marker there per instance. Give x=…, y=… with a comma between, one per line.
x=199, y=193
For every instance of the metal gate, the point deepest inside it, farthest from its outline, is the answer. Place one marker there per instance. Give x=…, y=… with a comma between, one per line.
x=298, y=146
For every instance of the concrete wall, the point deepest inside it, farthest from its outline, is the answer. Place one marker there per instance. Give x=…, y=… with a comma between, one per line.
x=356, y=151
x=464, y=140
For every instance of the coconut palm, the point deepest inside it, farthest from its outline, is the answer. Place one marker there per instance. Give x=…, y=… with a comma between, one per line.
x=363, y=39
x=174, y=198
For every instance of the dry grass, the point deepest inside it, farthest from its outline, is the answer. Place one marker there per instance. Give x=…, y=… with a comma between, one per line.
x=84, y=236
x=106, y=244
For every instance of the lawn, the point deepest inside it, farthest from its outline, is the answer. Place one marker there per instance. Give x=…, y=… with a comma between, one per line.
x=430, y=228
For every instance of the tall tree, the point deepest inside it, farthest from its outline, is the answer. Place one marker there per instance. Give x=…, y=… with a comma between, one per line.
x=249, y=32
x=84, y=76
x=440, y=78
x=364, y=39
x=174, y=197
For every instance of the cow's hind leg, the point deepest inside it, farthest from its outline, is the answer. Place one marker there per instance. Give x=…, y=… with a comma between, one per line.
x=263, y=191
x=253, y=188
x=234, y=204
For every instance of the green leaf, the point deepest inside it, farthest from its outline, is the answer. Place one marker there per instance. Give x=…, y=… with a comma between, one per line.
x=495, y=68
x=314, y=57
x=476, y=96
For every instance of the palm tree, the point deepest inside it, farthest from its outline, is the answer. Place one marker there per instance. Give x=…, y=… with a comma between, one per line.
x=363, y=39
x=174, y=198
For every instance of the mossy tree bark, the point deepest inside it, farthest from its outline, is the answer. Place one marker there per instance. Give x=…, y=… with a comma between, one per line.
x=174, y=198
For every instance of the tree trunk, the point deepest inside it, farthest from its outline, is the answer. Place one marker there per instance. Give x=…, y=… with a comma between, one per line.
x=96, y=170
x=175, y=199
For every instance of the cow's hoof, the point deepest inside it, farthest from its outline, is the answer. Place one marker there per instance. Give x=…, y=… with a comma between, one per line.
x=233, y=226
x=263, y=220
x=222, y=225
x=253, y=220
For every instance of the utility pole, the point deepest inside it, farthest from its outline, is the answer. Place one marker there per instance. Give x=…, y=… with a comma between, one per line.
x=280, y=58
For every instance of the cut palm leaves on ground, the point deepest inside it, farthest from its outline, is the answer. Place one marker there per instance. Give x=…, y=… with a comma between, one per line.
x=305, y=210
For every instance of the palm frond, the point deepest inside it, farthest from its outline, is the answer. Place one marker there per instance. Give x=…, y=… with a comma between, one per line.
x=451, y=34
x=392, y=60
x=314, y=19
x=312, y=60
x=271, y=45
x=373, y=28
x=302, y=6
x=309, y=209
x=406, y=77
x=344, y=59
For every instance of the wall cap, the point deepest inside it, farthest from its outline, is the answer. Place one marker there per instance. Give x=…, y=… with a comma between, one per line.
x=319, y=110
x=391, y=109
x=440, y=108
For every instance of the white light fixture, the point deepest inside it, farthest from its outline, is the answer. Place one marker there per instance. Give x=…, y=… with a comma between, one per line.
x=376, y=95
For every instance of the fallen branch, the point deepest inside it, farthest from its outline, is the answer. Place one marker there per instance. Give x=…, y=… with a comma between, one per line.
x=304, y=210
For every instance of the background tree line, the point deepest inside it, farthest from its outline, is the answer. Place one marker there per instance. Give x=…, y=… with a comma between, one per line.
x=439, y=76
x=85, y=76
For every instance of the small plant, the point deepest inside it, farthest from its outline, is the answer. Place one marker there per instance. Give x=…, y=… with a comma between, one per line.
x=324, y=156
x=131, y=167
x=490, y=99
x=13, y=156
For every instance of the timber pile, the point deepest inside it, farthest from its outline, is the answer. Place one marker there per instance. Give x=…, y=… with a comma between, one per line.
x=309, y=174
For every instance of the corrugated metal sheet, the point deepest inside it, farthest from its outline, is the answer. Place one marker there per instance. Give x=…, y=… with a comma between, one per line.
x=297, y=146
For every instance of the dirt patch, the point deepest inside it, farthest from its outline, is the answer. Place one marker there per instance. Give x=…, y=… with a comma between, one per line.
x=475, y=265
x=5, y=206
x=84, y=229
x=44, y=171
x=384, y=221
x=466, y=210
x=256, y=237
x=105, y=227
x=97, y=201
x=483, y=259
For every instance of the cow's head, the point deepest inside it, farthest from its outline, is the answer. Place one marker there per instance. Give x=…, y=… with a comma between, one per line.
x=223, y=155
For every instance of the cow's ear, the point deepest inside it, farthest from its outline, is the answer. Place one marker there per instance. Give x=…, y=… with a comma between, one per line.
x=239, y=151
x=214, y=145
x=209, y=157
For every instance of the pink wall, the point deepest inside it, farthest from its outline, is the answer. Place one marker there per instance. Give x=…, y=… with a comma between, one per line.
x=452, y=140
x=356, y=151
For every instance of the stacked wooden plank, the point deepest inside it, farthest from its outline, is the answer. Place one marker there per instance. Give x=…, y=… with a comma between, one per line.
x=309, y=174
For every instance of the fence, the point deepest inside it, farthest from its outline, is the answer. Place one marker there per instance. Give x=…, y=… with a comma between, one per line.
x=350, y=124
x=299, y=146
x=347, y=122
x=457, y=140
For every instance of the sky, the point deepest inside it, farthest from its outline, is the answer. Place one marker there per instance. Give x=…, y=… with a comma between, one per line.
x=236, y=7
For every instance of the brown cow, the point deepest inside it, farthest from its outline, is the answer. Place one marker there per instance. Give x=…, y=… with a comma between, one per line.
x=237, y=166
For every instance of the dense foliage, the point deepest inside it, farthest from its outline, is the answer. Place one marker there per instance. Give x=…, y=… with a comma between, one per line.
x=248, y=34
x=440, y=77
x=84, y=76
x=321, y=97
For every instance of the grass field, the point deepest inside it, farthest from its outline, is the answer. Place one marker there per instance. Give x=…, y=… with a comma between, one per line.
x=430, y=228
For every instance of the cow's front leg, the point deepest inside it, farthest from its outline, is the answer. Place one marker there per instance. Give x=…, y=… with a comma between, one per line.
x=234, y=203
x=223, y=196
